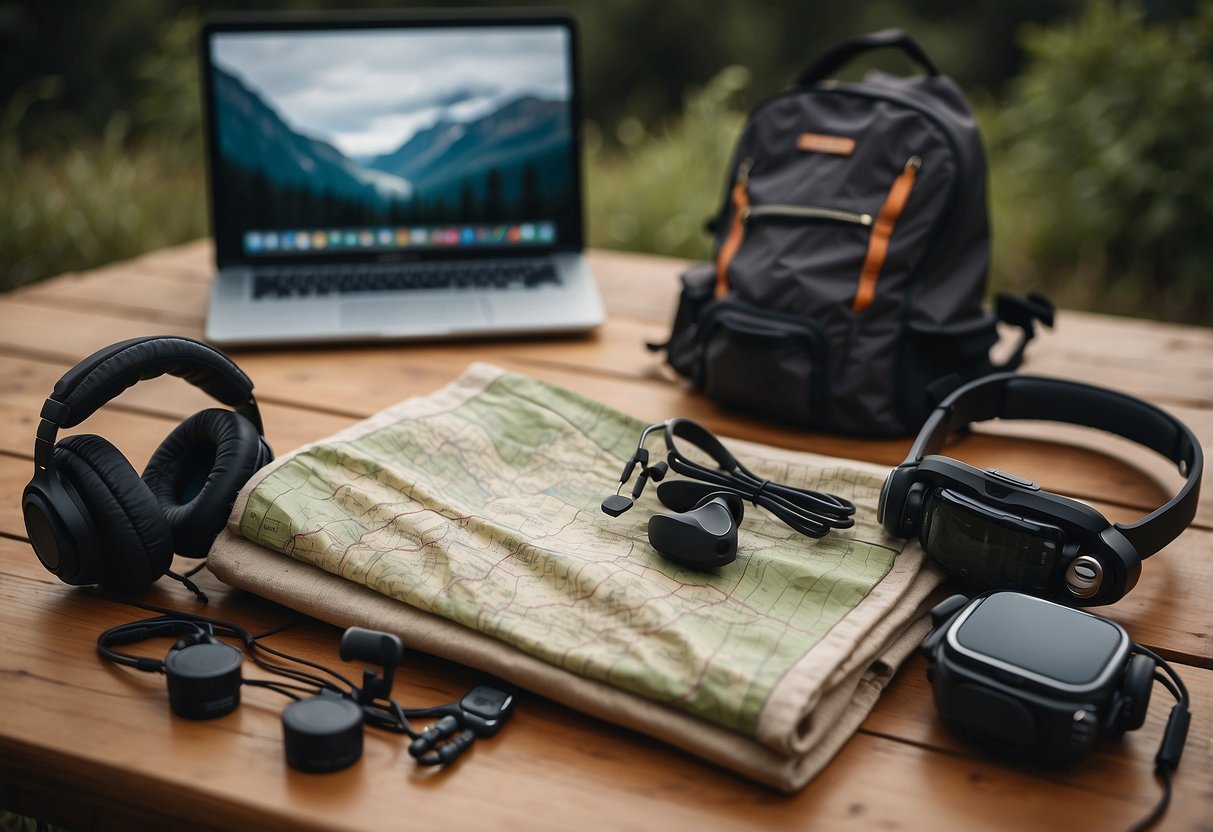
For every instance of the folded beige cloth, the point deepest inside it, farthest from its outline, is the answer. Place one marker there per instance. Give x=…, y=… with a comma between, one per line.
x=809, y=713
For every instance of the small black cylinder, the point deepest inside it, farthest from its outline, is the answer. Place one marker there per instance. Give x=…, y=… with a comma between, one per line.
x=203, y=680
x=322, y=733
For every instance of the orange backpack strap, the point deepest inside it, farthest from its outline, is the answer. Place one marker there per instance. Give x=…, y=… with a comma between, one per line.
x=882, y=231
x=728, y=250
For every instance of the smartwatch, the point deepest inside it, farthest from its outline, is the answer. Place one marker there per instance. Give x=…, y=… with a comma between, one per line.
x=1034, y=679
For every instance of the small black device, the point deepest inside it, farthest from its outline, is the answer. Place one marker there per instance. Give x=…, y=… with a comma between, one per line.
x=203, y=673
x=703, y=535
x=90, y=518
x=1043, y=682
x=322, y=733
x=484, y=709
x=994, y=530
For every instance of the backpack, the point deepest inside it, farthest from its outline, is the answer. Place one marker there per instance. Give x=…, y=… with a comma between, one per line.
x=851, y=256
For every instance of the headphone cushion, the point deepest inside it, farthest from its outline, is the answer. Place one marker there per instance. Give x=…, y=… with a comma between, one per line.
x=1138, y=682
x=197, y=471
x=134, y=536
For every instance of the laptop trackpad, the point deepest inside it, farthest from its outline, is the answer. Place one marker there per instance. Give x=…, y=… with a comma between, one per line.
x=413, y=314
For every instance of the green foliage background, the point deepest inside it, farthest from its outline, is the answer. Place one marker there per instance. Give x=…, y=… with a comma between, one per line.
x=1103, y=187
x=1098, y=126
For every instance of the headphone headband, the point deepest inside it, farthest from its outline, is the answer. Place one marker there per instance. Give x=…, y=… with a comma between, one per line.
x=1012, y=396
x=85, y=388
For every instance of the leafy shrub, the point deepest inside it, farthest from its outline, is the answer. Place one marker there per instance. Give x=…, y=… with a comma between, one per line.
x=657, y=193
x=1102, y=170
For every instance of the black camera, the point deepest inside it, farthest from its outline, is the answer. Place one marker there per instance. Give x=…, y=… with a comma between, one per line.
x=1032, y=678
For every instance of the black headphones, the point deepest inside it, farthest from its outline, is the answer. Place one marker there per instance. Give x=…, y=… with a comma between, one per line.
x=90, y=517
x=709, y=505
x=994, y=530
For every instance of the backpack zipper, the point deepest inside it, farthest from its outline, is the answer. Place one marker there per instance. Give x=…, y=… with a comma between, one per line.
x=803, y=212
x=744, y=212
x=878, y=243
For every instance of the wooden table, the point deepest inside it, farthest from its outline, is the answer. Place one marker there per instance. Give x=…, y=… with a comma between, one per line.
x=93, y=746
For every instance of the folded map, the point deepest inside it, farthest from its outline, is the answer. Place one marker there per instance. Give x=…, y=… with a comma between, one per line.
x=478, y=506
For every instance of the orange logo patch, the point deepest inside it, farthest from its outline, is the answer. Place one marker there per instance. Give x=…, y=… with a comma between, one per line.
x=821, y=143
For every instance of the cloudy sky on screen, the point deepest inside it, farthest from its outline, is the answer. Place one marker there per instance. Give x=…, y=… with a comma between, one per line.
x=367, y=92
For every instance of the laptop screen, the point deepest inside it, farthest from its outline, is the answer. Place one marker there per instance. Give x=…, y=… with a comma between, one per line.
x=392, y=140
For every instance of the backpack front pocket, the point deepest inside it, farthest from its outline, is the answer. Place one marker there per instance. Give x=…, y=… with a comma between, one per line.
x=773, y=366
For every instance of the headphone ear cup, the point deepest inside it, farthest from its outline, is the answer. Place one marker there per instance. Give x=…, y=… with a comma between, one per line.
x=196, y=472
x=911, y=511
x=1138, y=682
x=900, y=503
x=134, y=538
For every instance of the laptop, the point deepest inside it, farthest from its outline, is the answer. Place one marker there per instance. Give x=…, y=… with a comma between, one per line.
x=394, y=178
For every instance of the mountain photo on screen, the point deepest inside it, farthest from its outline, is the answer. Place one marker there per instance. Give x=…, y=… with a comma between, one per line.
x=392, y=126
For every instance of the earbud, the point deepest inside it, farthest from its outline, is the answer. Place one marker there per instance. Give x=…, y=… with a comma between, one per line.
x=704, y=537
x=374, y=647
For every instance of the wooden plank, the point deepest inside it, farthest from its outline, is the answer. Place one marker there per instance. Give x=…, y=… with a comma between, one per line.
x=1161, y=361
x=189, y=262
x=124, y=742
x=124, y=292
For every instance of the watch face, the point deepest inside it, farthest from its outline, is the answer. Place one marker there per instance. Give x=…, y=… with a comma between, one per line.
x=988, y=549
x=1051, y=642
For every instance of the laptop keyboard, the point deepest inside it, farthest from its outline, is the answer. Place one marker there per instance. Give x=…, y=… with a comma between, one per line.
x=305, y=281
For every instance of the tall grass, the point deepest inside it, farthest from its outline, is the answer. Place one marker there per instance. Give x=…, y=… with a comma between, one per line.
x=75, y=201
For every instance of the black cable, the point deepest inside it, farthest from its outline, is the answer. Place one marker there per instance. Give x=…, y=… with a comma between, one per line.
x=189, y=573
x=1166, y=683
x=277, y=687
x=251, y=644
x=1160, y=807
x=190, y=585
x=393, y=720
x=273, y=631
x=439, y=744
x=1170, y=671
x=1171, y=748
x=811, y=513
